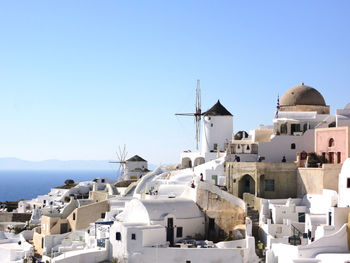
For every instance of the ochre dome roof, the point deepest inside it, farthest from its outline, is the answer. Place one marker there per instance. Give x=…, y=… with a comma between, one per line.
x=302, y=95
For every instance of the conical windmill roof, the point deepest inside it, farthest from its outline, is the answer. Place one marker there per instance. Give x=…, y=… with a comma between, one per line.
x=136, y=158
x=217, y=110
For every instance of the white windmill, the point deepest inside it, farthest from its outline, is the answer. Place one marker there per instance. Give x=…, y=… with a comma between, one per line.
x=121, y=154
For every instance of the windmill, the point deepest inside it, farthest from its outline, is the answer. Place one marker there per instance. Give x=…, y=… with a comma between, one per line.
x=121, y=154
x=198, y=113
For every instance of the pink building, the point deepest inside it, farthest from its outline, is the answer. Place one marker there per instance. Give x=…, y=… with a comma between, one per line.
x=333, y=143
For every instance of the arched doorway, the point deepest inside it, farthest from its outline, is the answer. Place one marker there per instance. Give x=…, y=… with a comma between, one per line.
x=198, y=161
x=246, y=185
x=186, y=163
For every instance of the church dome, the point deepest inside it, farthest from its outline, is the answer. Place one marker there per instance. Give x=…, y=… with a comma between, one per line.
x=302, y=95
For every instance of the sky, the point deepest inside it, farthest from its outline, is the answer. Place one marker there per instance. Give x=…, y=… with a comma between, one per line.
x=80, y=78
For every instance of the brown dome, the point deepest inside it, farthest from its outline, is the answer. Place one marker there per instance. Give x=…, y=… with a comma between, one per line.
x=302, y=95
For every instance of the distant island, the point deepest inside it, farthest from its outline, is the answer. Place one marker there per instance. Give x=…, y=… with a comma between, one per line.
x=18, y=164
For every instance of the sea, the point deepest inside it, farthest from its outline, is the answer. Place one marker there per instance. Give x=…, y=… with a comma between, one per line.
x=27, y=184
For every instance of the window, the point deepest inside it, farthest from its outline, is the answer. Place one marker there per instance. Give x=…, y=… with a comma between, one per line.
x=103, y=215
x=103, y=180
x=188, y=261
x=211, y=125
x=301, y=217
x=348, y=183
x=331, y=142
x=73, y=216
x=338, y=157
x=292, y=146
x=118, y=236
x=305, y=127
x=133, y=236
x=248, y=148
x=215, y=146
x=179, y=231
x=269, y=185
x=294, y=128
x=284, y=129
x=42, y=242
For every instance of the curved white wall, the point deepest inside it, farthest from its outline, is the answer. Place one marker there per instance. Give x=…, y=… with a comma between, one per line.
x=344, y=191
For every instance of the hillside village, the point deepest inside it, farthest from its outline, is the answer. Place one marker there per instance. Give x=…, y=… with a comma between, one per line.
x=276, y=194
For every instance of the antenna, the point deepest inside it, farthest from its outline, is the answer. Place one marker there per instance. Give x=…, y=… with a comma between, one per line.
x=198, y=113
x=121, y=155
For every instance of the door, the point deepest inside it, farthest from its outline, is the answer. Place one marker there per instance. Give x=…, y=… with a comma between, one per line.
x=64, y=228
x=170, y=231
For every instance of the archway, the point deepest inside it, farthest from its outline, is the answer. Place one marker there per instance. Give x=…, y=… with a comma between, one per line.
x=198, y=161
x=186, y=163
x=246, y=185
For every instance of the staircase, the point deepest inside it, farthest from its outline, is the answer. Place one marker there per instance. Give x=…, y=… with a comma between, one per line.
x=254, y=216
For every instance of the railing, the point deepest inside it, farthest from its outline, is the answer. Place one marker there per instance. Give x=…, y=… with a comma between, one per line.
x=295, y=239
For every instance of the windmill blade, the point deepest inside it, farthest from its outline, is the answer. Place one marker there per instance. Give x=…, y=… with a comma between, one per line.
x=185, y=114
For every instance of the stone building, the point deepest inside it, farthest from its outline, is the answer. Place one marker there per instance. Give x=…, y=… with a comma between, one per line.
x=271, y=180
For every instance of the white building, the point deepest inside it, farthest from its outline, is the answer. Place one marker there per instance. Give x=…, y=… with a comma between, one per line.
x=135, y=167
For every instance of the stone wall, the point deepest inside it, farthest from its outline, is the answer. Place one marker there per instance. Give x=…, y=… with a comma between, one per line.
x=227, y=211
x=314, y=180
x=14, y=217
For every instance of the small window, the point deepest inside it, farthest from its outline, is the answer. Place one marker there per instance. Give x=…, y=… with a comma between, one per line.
x=179, y=231
x=301, y=217
x=188, y=261
x=292, y=146
x=133, y=236
x=103, y=180
x=215, y=146
x=42, y=242
x=248, y=148
x=269, y=185
x=348, y=183
x=331, y=142
x=103, y=215
x=73, y=216
x=118, y=236
x=211, y=125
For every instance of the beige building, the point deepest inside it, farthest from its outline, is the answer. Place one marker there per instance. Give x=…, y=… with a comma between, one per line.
x=77, y=215
x=270, y=180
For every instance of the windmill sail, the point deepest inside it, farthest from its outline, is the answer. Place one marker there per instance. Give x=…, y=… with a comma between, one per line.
x=197, y=114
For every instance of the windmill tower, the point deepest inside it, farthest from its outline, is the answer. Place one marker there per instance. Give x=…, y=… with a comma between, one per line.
x=197, y=114
x=121, y=154
x=217, y=128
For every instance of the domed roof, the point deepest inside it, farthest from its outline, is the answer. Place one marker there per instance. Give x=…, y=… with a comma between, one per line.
x=302, y=95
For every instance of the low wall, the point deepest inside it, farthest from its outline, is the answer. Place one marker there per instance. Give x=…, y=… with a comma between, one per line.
x=193, y=255
x=86, y=256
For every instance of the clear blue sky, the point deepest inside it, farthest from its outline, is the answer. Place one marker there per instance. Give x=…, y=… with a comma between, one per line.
x=79, y=78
